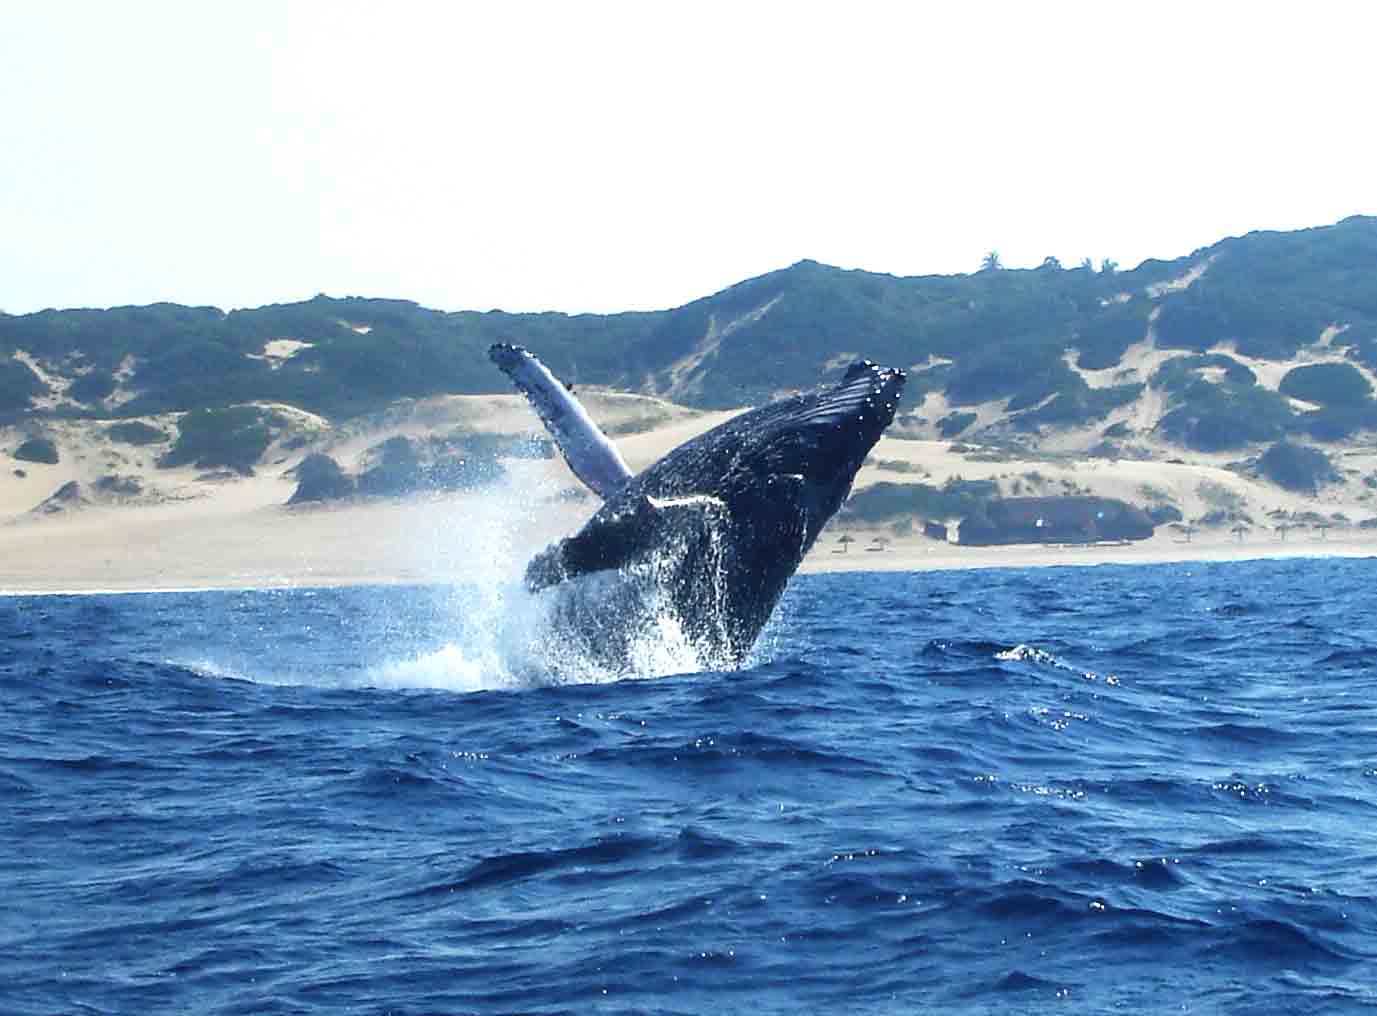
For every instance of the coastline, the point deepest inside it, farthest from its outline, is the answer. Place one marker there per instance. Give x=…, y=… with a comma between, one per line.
x=447, y=540
x=1157, y=550
x=184, y=529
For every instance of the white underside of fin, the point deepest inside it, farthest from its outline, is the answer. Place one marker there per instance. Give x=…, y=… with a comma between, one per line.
x=691, y=501
x=589, y=452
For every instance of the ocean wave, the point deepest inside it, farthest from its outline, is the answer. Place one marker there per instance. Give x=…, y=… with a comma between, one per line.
x=924, y=795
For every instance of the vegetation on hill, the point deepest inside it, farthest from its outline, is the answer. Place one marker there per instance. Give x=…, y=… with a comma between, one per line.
x=18, y=384
x=320, y=478
x=233, y=438
x=1077, y=403
x=884, y=502
x=1271, y=293
x=1335, y=423
x=37, y=449
x=401, y=465
x=1180, y=372
x=1217, y=417
x=1329, y=384
x=360, y=353
x=1297, y=467
x=135, y=432
x=954, y=423
x=994, y=335
x=92, y=388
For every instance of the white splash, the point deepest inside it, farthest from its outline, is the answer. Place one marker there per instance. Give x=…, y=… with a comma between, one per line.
x=448, y=668
x=482, y=630
x=505, y=637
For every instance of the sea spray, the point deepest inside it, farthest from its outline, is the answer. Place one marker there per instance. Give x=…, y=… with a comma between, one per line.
x=485, y=631
x=470, y=624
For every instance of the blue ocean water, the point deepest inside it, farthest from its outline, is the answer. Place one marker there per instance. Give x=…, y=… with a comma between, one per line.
x=1142, y=789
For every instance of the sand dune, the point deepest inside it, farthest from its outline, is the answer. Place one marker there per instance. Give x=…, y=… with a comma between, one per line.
x=186, y=528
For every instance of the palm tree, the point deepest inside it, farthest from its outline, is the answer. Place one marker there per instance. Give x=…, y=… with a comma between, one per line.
x=991, y=262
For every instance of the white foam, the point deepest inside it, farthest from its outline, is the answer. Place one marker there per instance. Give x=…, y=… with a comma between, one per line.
x=486, y=632
x=448, y=668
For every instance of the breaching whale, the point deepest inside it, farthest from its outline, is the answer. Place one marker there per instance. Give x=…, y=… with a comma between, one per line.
x=712, y=532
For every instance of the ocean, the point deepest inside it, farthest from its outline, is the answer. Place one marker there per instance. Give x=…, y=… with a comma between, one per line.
x=1144, y=789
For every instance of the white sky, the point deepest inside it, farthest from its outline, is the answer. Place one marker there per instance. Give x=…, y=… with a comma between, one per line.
x=587, y=156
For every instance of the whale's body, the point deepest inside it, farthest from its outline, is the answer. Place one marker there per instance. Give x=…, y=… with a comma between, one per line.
x=712, y=532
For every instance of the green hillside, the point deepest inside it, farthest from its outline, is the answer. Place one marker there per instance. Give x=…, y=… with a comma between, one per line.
x=996, y=334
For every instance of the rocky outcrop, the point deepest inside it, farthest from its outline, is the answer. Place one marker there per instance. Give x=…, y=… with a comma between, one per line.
x=1054, y=520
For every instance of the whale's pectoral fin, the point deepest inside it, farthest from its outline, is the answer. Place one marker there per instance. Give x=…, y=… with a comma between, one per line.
x=605, y=543
x=637, y=531
x=591, y=455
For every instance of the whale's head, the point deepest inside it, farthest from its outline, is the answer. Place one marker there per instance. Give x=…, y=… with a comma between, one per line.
x=815, y=442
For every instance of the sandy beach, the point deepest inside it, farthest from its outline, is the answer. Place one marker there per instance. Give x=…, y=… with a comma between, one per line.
x=189, y=529
x=435, y=540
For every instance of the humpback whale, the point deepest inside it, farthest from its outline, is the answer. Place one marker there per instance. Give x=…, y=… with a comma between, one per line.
x=711, y=533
